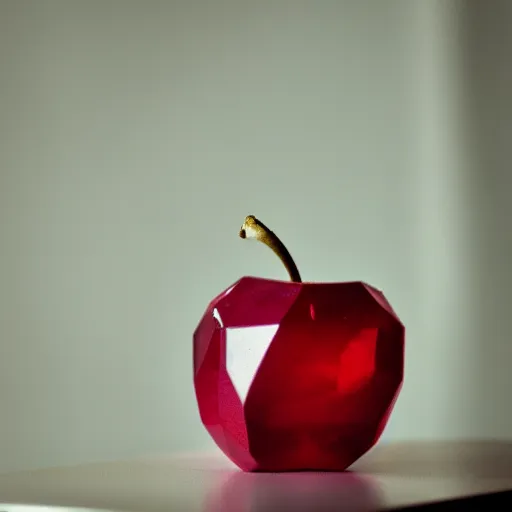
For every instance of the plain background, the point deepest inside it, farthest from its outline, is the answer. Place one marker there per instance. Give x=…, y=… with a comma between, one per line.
x=135, y=136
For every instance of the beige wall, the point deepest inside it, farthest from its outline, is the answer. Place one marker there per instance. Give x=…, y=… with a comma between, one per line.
x=136, y=135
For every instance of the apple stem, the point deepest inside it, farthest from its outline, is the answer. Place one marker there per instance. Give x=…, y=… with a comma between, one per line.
x=253, y=228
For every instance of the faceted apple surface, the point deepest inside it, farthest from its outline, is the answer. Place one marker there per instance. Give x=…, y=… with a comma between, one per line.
x=297, y=376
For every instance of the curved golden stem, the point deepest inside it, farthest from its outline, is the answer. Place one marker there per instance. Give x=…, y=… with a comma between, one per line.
x=253, y=228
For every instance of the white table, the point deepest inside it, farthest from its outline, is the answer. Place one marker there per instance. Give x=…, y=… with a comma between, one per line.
x=389, y=477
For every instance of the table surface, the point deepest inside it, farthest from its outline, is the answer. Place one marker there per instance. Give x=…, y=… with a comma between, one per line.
x=390, y=476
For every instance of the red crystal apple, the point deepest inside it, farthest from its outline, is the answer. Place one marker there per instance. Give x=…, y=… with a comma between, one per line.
x=296, y=376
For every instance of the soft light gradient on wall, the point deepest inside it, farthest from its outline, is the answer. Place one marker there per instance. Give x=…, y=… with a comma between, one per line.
x=136, y=135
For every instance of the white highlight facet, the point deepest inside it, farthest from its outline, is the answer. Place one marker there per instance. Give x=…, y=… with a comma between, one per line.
x=245, y=349
x=216, y=315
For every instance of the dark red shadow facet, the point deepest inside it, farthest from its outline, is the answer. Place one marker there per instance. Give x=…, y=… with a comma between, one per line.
x=297, y=376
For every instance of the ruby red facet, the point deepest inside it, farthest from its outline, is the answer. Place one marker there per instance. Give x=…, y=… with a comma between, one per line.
x=297, y=376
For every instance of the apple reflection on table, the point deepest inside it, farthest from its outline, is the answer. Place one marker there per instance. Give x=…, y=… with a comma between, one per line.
x=297, y=492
